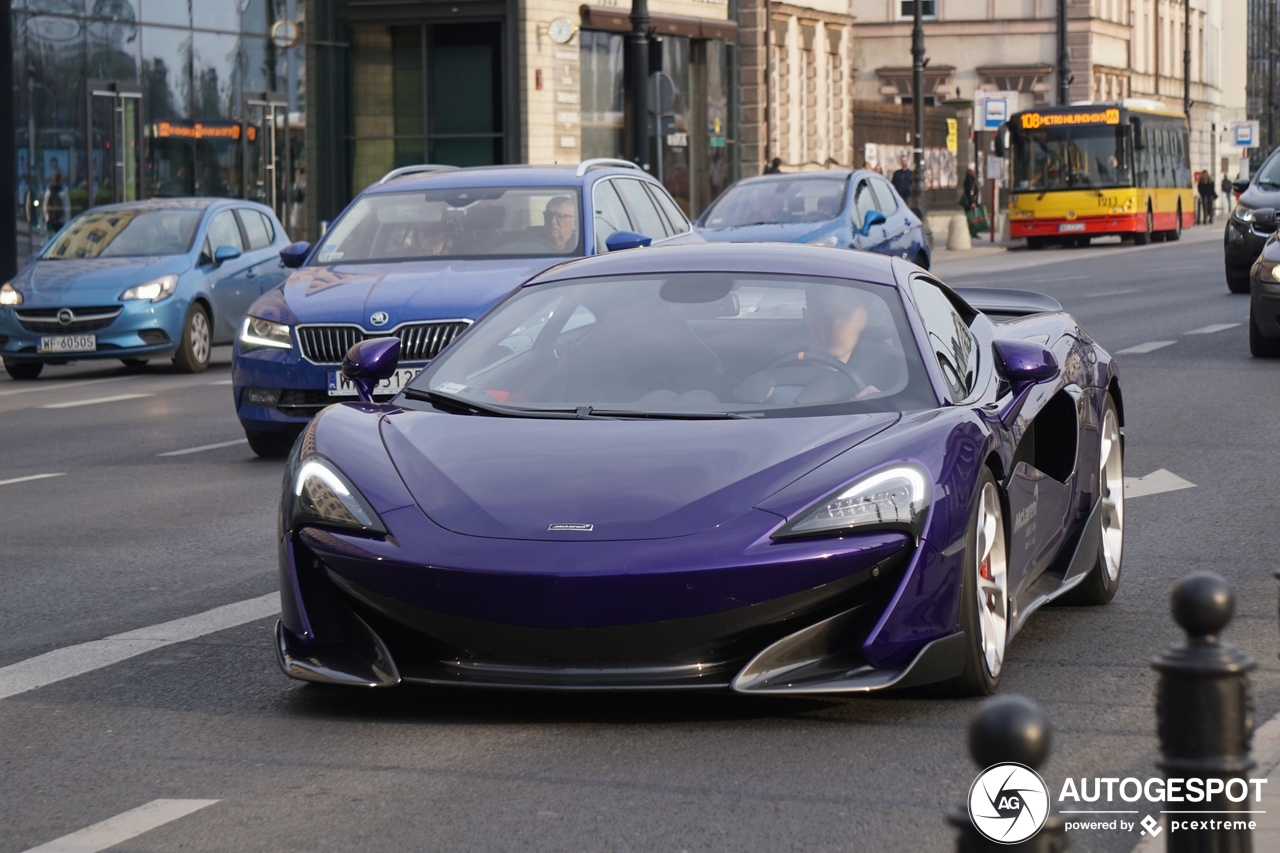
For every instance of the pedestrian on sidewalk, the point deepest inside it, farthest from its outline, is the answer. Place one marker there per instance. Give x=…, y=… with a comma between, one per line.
x=902, y=179
x=774, y=167
x=1208, y=195
x=969, y=193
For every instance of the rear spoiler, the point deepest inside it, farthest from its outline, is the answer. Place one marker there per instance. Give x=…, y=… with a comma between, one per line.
x=1002, y=302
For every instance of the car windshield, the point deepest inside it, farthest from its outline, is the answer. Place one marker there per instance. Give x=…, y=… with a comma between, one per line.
x=1269, y=174
x=772, y=202
x=685, y=346
x=125, y=233
x=474, y=222
x=1075, y=157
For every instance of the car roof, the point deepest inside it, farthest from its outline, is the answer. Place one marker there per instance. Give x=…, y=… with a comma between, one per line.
x=189, y=203
x=515, y=175
x=768, y=258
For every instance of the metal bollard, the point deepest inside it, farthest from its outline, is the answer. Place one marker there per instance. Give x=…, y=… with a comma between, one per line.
x=1009, y=729
x=1204, y=715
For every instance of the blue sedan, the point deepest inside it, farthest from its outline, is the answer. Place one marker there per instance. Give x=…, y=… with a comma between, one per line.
x=141, y=280
x=419, y=256
x=843, y=209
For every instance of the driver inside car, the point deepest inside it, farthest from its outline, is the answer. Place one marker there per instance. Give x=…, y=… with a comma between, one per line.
x=835, y=317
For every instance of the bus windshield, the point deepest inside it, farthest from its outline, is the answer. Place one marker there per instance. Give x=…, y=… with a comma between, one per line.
x=1071, y=158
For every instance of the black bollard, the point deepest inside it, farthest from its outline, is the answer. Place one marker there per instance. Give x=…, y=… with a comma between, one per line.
x=1204, y=716
x=1008, y=730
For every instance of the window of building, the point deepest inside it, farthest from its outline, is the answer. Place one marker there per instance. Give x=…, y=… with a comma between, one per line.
x=928, y=8
x=602, y=75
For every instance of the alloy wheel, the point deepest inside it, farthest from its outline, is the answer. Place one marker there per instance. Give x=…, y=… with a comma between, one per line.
x=1111, y=494
x=200, y=337
x=992, y=580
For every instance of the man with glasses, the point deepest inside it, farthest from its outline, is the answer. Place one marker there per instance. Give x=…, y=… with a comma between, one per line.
x=561, y=221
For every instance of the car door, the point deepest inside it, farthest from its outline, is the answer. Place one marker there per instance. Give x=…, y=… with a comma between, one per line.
x=876, y=237
x=232, y=284
x=260, y=234
x=897, y=223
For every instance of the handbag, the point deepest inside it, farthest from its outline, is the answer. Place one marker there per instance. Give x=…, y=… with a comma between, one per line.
x=977, y=217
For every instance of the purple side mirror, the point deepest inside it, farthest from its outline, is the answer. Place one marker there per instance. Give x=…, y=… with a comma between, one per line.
x=1023, y=365
x=369, y=362
x=295, y=254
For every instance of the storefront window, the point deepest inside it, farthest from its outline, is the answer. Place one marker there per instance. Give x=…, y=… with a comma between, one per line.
x=677, y=124
x=718, y=157
x=603, y=129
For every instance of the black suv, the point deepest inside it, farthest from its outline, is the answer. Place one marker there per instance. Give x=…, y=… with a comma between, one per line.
x=1252, y=222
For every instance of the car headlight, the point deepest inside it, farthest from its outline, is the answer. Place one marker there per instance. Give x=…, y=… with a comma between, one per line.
x=832, y=239
x=155, y=290
x=322, y=495
x=257, y=333
x=894, y=498
x=1269, y=272
x=10, y=295
x=1242, y=213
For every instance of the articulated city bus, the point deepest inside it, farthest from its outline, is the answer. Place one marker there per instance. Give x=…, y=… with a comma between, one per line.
x=1091, y=169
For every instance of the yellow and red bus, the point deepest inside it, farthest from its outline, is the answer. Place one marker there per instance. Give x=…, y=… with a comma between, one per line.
x=1093, y=169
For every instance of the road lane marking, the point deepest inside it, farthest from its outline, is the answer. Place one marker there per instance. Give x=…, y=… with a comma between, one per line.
x=203, y=448
x=1111, y=293
x=1155, y=483
x=58, y=386
x=1149, y=346
x=221, y=382
x=29, y=478
x=122, y=827
x=95, y=400
x=71, y=661
x=1216, y=327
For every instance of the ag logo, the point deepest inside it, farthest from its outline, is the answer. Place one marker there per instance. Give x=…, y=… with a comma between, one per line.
x=379, y=318
x=1008, y=803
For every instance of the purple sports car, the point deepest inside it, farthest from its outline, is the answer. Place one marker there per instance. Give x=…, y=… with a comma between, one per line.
x=761, y=468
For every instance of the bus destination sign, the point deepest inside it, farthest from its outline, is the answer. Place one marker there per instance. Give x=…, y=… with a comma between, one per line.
x=1031, y=121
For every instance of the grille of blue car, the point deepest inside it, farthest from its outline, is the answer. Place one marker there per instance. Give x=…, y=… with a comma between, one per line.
x=418, y=341
x=88, y=319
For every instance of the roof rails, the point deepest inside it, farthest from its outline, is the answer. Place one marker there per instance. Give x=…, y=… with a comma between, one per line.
x=602, y=162
x=421, y=168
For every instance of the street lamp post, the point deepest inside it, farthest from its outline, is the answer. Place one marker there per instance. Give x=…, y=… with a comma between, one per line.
x=917, y=102
x=1186, y=59
x=638, y=80
x=1064, y=56
x=8, y=163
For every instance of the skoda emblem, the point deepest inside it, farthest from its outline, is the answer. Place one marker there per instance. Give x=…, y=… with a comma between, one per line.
x=66, y=316
x=379, y=318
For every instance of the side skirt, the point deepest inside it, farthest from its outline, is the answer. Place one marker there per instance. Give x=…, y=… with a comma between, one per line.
x=1065, y=574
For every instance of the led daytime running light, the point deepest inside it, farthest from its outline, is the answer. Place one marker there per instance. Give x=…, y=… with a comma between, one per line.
x=323, y=496
x=257, y=333
x=894, y=498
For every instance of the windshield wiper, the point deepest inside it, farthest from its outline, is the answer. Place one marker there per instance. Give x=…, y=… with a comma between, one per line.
x=468, y=407
x=668, y=416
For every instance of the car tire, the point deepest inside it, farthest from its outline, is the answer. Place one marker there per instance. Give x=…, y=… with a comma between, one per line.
x=1259, y=346
x=986, y=633
x=23, y=370
x=1237, y=283
x=1142, y=238
x=271, y=445
x=197, y=340
x=1100, y=584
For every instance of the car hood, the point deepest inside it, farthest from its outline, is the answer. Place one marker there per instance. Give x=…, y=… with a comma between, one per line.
x=514, y=478
x=1256, y=196
x=418, y=290
x=90, y=281
x=791, y=232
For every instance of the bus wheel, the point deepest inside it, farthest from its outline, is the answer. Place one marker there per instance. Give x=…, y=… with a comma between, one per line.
x=1142, y=238
x=1176, y=233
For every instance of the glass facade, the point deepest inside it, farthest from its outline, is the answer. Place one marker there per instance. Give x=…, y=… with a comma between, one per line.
x=126, y=99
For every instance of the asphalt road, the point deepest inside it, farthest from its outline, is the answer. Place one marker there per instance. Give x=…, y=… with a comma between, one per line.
x=125, y=538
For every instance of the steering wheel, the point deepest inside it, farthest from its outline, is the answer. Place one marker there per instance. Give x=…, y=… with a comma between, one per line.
x=810, y=359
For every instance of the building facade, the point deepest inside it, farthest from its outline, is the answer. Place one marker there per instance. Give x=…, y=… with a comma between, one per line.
x=117, y=100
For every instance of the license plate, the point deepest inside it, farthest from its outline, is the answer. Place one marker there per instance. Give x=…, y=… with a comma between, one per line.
x=68, y=343
x=1070, y=226
x=341, y=386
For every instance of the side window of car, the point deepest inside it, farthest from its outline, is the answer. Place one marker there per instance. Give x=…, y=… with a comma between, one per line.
x=223, y=231
x=610, y=215
x=886, y=196
x=675, y=216
x=644, y=213
x=254, y=228
x=206, y=254
x=863, y=203
x=953, y=345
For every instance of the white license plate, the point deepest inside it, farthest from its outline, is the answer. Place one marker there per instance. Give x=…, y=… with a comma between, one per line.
x=68, y=343
x=1070, y=226
x=341, y=386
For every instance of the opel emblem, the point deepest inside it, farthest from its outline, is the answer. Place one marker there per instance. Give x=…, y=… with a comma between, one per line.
x=379, y=318
x=66, y=316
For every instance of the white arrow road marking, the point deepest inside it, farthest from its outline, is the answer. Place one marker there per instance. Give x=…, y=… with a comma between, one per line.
x=1209, y=330
x=1149, y=346
x=122, y=827
x=1154, y=483
x=76, y=660
x=202, y=448
x=75, y=403
x=29, y=478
